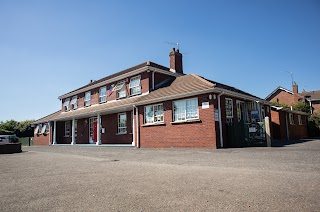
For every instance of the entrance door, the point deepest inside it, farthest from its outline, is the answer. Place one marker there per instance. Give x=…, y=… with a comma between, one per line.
x=93, y=130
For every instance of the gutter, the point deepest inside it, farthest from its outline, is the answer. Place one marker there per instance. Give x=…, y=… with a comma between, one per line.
x=220, y=121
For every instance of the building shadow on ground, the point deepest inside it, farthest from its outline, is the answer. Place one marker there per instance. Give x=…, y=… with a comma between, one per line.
x=283, y=143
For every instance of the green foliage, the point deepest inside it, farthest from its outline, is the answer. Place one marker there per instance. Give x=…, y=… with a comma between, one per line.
x=301, y=106
x=278, y=104
x=21, y=129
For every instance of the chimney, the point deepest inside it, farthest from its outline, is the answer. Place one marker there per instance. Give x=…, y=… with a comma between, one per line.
x=295, y=88
x=296, y=95
x=176, y=61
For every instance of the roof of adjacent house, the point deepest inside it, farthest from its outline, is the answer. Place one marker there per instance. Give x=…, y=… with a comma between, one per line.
x=275, y=91
x=47, y=118
x=180, y=87
x=288, y=110
x=314, y=95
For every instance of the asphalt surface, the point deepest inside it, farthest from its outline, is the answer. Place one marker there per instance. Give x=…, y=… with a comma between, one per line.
x=75, y=178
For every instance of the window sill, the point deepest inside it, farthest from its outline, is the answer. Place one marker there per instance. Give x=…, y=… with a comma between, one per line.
x=119, y=98
x=135, y=94
x=153, y=124
x=186, y=121
x=124, y=133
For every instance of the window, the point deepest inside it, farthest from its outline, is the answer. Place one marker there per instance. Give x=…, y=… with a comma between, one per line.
x=229, y=108
x=185, y=110
x=37, y=129
x=121, y=89
x=299, y=119
x=87, y=99
x=67, y=129
x=291, y=120
x=122, y=123
x=103, y=94
x=134, y=85
x=66, y=104
x=43, y=128
x=75, y=128
x=74, y=102
x=153, y=114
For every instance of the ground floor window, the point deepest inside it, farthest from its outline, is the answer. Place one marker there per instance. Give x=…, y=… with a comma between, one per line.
x=299, y=119
x=122, y=123
x=91, y=127
x=185, y=109
x=229, y=108
x=67, y=129
x=291, y=120
x=75, y=128
x=153, y=114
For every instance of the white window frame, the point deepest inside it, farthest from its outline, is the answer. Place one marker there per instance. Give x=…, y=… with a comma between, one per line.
x=43, y=129
x=37, y=129
x=75, y=128
x=300, y=120
x=291, y=118
x=74, y=102
x=135, y=89
x=102, y=97
x=121, y=89
x=87, y=101
x=67, y=129
x=154, y=118
x=66, y=104
x=227, y=101
x=122, y=129
x=181, y=113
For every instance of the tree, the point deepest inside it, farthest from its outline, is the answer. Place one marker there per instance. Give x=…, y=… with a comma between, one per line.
x=314, y=124
x=301, y=106
x=21, y=129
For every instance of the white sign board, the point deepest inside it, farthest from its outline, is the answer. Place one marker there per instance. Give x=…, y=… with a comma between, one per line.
x=205, y=105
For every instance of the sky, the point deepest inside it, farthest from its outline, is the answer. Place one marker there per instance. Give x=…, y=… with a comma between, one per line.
x=48, y=48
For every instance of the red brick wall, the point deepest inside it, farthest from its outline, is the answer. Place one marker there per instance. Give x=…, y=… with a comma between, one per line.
x=159, y=78
x=195, y=134
x=111, y=136
x=297, y=131
x=279, y=127
x=41, y=140
x=95, y=92
x=284, y=97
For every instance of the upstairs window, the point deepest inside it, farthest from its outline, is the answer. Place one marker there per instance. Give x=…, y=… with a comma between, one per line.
x=299, y=119
x=66, y=104
x=74, y=102
x=122, y=123
x=291, y=120
x=87, y=99
x=103, y=94
x=229, y=108
x=135, y=86
x=153, y=114
x=67, y=129
x=121, y=89
x=185, y=109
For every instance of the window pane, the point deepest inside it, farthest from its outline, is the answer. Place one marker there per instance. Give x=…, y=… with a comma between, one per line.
x=134, y=82
x=149, y=114
x=192, y=108
x=179, y=110
x=136, y=90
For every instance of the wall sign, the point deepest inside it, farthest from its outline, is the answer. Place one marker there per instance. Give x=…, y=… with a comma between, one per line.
x=205, y=105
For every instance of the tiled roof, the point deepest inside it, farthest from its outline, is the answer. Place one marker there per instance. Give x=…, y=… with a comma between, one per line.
x=314, y=95
x=47, y=118
x=151, y=64
x=180, y=87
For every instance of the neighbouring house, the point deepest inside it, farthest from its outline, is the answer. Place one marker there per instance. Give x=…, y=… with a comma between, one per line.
x=153, y=106
x=288, y=124
x=288, y=97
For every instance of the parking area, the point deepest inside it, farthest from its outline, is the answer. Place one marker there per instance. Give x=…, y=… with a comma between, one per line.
x=77, y=178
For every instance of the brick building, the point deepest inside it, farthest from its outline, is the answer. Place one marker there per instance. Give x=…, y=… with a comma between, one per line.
x=150, y=105
x=288, y=124
x=285, y=96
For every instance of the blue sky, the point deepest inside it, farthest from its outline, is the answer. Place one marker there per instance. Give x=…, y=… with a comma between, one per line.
x=48, y=48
